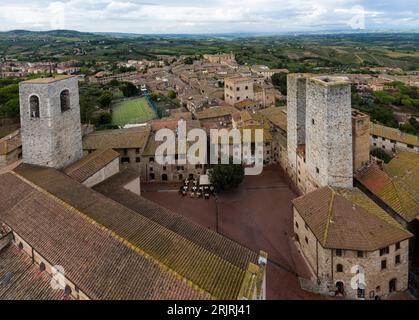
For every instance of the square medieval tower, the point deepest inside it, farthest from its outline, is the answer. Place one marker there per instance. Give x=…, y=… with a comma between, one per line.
x=50, y=121
x=329, y=133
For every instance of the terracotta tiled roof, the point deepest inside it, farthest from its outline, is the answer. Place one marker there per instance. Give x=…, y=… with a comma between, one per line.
x=26, y=282
x=216, y=112
x=244, y=104
x=184, y=249
x=397, y=185
x=276, y=115
x=394, y=134
x=90, y=164
x=10, y=142
x=101, y=264
x=46, y=80
x=348, y=219
x=117, y=139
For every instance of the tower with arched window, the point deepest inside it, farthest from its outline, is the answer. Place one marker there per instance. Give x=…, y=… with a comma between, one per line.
x=50, y=121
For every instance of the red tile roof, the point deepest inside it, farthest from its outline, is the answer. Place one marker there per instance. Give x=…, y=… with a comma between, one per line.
x=210, y=262
x=90, y=164
x=348, y=219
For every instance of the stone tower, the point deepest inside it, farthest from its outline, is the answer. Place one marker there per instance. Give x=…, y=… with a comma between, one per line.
x=50, y=121
x=361, y=139
x=328, y=133
x=296, y=115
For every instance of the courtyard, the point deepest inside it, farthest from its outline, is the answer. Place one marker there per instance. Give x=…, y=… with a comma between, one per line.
x=259, y=216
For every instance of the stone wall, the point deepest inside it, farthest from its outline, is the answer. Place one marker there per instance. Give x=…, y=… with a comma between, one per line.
x=106, y=172
x=324, y=262
x=53, y=139
x=328, y=133
x=296, y=115
x=232, y=95
x=360, y=139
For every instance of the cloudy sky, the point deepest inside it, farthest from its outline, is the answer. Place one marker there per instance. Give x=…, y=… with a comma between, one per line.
x=215, y=16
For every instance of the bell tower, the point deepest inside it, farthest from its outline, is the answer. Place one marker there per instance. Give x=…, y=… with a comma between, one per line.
x=50, y=121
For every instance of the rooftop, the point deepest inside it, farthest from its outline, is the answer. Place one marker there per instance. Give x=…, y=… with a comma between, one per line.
x=10, y=142
x=239, y=79
x=117, y=139
x=394, y=134
x=24, y=282
x=397, y=185
x=170, y=251
x=47, y=80
x=329, y=81
x=215, y=112
x=90, y=164
x=348, y=219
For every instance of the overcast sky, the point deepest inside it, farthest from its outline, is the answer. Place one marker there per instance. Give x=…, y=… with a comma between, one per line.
x=216, y=16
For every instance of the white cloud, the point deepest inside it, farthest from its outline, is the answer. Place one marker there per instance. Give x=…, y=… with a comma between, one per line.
x=188, y=16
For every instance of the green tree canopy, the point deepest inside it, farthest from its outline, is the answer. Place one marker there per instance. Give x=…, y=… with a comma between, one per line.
x=226, y=177
x=172, y=94
x=279, y=80
x=105, y=99
x=129, y=90
x=102, y=118
x=381, y=154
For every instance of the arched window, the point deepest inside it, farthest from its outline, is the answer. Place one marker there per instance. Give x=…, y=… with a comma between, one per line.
x=34, y=106
x=339, y=268
x=65, y=100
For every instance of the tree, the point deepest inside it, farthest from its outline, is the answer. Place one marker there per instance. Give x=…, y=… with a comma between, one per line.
x=129, y=90
x=102, y=119
x=279, y=80
x=381, y=154
x=87, y=107
x=105, y=99
x=11, y=108
x=154, y=96
x=226, y=177
x=172, y=94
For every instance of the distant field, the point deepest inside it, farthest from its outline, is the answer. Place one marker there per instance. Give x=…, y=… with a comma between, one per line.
x=132, y=111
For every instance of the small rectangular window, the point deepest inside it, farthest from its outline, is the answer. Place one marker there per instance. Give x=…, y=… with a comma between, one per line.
x=383, y=264
x=360, y=254
x=338, y=252
x=398, y=259
x=398, y=246
x=384, y=251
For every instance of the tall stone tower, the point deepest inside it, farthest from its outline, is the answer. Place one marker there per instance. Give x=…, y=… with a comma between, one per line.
x=328, y=133
x=296, y=115
x=50, y=121
x=361, y=139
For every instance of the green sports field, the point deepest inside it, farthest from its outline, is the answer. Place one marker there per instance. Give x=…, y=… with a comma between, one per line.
x=132, y=111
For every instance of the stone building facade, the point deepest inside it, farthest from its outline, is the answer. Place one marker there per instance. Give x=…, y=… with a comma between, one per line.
x=50, y=121
x=392, y=140
x=329, y=133
x=10, y=148
x=296, y=117
x=238, y=89
x=336, y=262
